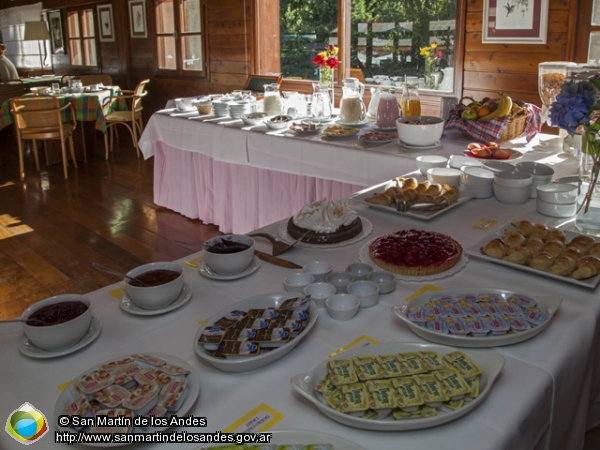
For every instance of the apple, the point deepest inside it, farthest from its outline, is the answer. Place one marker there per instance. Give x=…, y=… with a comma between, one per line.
x=485, y=100
x=492, y=105
x=469, y=114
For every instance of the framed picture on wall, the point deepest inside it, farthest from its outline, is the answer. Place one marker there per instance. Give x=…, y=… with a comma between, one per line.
x=137, y=18
x=515, y=21
x=105, y=23
x=57, y=39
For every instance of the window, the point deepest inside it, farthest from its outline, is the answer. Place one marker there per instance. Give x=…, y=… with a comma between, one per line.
x=82, y=37
x=179, y=36
x=381, y=41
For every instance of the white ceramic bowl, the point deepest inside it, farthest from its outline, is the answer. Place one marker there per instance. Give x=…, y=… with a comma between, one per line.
x=255, y=118
x=279, y=122
x=340, y=280
x=420, y=130
x=155, y=297
x=444, y=176
x=62, y=335
x=539, y=171
x=296, y=282
x=557, y=193
x=366, y=291
x=319, y=292
x=511, y=195
x=497, y=166
x=184, y=104
x=476, y=176
x=534, y=184
x=318, y=269
x=459, y=161
x=425, y=162
x=360, y=271
x=229, y=263
x=513, y=179
x=342, y=306
x=479, y=191
x=556, y=209
x=385, y=280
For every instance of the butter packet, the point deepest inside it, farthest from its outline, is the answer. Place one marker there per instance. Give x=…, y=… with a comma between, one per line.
x=142, y=399
x=125, y=375
x=457, y=326
x=237, y=349
x=112, y=396
x=381, y=395
x=334, y=401
x=152, y=376
x=366, y=368
x=240, y=334
x=521, y=300
x=326, y=387
x=431, y=360
x=116, y=364
x=269, y=314
x=341, y=371
x=354, y=398
x=454, y=404
x=473, y=310
x=78, y=407
x=211, y=337
x=90, y=383
x=255, y=324
x=490, y=298
x=297, y=314
x=455, y=311
x=509, y=309
x=417, y=315
x=489, y=309
x=173, y=394
x=294, y=326
x=474, y=385
x=174, y=371
x=431, y=390
x=389, y=366
x=471, y=298
x=497, y=324
x=517, y=323
x=433, y=309
x=230, y=319
x=273, y=337
x=536, y=318
x=407, y=394
x=422, y=412
x=441, y=298
x=149, y=359
x=477, y=326
x=463, y=365
x=411, y=363
x=453, y=383
x=437, y=324
x=295, y=303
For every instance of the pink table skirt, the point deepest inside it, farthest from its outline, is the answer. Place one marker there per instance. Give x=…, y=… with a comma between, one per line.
x=238, y=198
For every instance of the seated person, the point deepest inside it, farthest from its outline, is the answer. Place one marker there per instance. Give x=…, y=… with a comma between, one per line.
x=8, y=72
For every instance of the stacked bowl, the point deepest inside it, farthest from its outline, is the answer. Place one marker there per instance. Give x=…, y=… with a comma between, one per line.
x=542, y=174
x=557, y=200
x=240, y=108
x=477, y=180
x=220, y=108
x=426, y=162
x=512, y=188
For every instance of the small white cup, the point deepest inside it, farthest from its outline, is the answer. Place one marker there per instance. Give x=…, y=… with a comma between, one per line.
x=319, y=292
x=340, y=280
x=360, y=271
x=318, y=269
x=342, y=306
x=296, y=282
x=385, y=280
x=366, y=291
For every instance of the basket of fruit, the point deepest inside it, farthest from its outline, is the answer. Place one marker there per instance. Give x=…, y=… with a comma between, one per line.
x=497, y=120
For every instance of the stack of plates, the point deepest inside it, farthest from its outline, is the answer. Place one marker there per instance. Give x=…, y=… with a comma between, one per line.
x=221, y=109
x=238, y=109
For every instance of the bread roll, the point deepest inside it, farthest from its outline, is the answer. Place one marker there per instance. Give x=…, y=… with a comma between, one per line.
x=496, y=248
x=524, y=227
x=583, y=243
x=588, y=266
x=379, y=199
x=563, y=265
x=514, y=239
x=557, y=233
x=534, y=245
x=517, y=255
x=554, y=247
x=541, y=260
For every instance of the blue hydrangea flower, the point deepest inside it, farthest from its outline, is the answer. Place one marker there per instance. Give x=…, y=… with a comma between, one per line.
x=573, y=105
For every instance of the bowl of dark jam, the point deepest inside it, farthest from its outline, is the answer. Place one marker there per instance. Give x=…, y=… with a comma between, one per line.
x=57, y=323
x=160, y=283
x=229, y=254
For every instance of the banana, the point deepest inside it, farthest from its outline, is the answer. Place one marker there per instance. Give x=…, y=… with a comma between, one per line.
x=504, y=106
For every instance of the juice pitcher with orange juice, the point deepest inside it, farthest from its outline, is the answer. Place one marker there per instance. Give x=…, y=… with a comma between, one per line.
x=410, y=101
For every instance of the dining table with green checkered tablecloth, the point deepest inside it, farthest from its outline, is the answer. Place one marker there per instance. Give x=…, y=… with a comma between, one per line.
x=89, y=107
x=41, y=81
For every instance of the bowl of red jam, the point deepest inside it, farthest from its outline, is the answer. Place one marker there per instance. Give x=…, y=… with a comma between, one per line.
x=229, y=254
x=57, y=323
x=160, y=283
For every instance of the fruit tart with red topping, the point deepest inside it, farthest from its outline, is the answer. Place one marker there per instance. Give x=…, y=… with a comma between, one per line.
x=415, y=252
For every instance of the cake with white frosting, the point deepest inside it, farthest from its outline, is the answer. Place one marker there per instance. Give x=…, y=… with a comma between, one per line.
x=327, y=221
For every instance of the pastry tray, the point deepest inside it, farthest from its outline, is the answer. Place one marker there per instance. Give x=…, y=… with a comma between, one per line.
x=422, y=215
x=475, y=251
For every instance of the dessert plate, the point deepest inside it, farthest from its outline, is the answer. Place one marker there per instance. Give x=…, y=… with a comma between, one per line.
x=193, y=386
x=372, y=140
x=127, y=305
x=367, y=228
x=28, y=349
x=244, y=364
x=322, y=119
x=384, y=129
x=208, y=273
x=490, y=363
x=515, y=154
x=546, y=303
x=417, y=148
x=365, y=257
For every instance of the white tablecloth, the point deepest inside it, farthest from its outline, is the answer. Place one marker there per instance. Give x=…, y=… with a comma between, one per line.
x=540, y=400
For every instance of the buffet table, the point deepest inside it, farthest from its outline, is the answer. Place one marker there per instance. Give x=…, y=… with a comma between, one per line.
x=242, y=178
x=540, y=400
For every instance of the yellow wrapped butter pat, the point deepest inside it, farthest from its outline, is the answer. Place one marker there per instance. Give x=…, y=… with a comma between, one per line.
x=354, y=398
x=366, y=368
x=463, y=364
x=411, y=363
x=474, y=385
x=454, y=385
x=326, y=387
x=341, y=371
x=423, y=411
x=455, y=404
x=380, y=394
x=407, y=393
x=389, y=366
x=431, y=360
x=431, y=390
x=334, y=401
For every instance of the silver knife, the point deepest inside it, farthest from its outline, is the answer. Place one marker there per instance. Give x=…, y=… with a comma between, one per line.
x=277, y=261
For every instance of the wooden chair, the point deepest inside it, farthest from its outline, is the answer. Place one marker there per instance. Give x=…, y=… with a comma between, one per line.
x=132, y=119
x=40, y=118
x=11, y=89
x=105, y=79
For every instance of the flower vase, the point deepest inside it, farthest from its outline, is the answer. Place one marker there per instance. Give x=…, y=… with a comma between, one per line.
x=588, y=201
x=326, y=78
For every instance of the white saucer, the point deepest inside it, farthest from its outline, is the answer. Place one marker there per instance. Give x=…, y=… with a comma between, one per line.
x=127, y=305
x=351, y=125
x=385, y=129
x=205, y=271
x=28, y=349
x=322, y=120
x=419, y=147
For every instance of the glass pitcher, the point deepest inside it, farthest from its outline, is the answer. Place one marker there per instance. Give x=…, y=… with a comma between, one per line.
x=410, y=101
x=320, y=107
x=387, y=110
x=352, y=107
x=272, y=103
x=375, y=95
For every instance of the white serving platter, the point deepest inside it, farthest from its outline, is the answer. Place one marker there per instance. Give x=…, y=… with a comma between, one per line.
x=475, y=251
x=490, y=363
x=193, y=380
x=546, y=303
x=254, y=362
x=360, y=197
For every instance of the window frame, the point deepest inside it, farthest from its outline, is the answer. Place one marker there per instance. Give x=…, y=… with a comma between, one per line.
x=79, y=10
x=179, y=72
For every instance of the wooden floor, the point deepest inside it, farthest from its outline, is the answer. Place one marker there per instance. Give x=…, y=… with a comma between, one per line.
x=52, y=230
